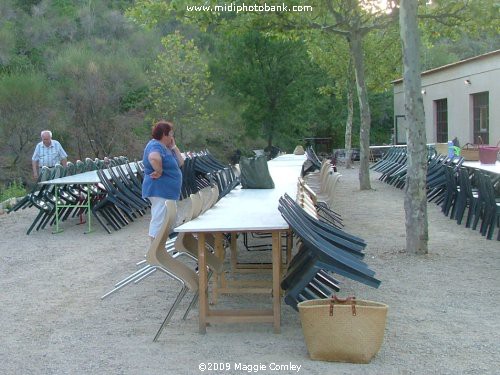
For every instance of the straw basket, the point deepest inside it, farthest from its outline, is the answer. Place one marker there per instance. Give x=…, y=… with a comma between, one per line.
x=470, y=152
x=347, y=330
x=488, y=154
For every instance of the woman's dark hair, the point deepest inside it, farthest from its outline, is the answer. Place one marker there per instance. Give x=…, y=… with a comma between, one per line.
x=161, y=128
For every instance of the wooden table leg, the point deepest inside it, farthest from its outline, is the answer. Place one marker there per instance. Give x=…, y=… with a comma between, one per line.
x=276, y=281
x=234, y=252
x=289, y=246
x=219, y=281
x=202, y=275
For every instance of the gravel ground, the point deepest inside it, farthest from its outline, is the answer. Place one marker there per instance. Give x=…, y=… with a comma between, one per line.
x=443, y=308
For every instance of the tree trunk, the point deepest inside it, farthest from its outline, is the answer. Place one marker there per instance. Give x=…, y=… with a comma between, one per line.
x=355, y=45
x=350, y=115
x=415, y=190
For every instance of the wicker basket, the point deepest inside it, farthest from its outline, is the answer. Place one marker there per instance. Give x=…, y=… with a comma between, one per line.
x=343, y=330
x=470, y=152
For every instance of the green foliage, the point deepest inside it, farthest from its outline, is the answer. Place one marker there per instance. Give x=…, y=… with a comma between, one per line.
x=273, y=81
x=454, y=19
x=64, y=8
x=180, y=87
x=95, y=86
x=26, y=5
x=14, y=189
x=134, y=99
x=382, y=108
x=7, y=42
x=27, y=106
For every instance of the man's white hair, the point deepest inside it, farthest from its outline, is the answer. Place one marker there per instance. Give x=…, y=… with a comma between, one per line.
x=46, y=131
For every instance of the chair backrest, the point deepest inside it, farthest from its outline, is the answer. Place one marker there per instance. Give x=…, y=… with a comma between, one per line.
x=45, y=174
x=305, y=201
x=465, y=184
x=70, y=169
x=215, y=195
x=196, y=204
x=487, y=191
x=306, y=189
x=79, y=166
x=59, y=171
x=158, y=256
x=184, y=211
x=333, y=180
x=206, y=198
x=89, y=165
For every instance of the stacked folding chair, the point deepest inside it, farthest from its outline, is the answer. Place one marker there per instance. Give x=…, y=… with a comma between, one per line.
x=324, y=251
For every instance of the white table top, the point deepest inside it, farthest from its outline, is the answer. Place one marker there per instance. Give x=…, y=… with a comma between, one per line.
x=493, y=168
x=252, y=209
x=89, y=177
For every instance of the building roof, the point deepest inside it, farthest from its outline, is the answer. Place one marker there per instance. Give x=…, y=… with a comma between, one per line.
x=447, y=66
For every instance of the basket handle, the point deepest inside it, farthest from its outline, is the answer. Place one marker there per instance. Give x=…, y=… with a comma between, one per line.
x=481, y=141
x=351, y=300
x=470, y=146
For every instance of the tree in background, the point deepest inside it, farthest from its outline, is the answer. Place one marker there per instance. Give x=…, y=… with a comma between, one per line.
x=382, y=56
x=455, y=30
x=275, y=83
x=180, y=87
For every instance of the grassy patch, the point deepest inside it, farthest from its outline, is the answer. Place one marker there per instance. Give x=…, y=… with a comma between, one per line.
x=12, y=190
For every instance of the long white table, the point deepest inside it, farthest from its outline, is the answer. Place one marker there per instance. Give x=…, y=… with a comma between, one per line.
x=86, y=178
x=492, y=168
x=247, y=210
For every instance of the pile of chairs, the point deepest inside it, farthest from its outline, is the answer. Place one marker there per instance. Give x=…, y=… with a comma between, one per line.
x=324, y=250
x=312, y=163
x=456, y=189
x=393, y=167
x=43, y=196
x=202, y=169
x=117, y=199
x=474, y=192
x=320, y=187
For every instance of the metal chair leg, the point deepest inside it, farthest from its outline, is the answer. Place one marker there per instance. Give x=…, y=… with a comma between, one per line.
x=131, y=278
x=191, y=305
x=180, y=296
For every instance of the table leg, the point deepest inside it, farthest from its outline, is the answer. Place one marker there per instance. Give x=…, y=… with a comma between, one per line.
x=234, y=252
x=89, y=209
x=202, y=275
x=56, y=190
x=219, y=252
x=276, y=280
x=289, y=246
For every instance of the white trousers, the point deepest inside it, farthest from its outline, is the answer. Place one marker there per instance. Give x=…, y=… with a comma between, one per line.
x=158, y=212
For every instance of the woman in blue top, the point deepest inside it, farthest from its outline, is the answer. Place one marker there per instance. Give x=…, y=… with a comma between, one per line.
x=162, y=174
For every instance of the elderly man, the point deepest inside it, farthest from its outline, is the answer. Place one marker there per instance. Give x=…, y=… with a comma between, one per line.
x=47, y=153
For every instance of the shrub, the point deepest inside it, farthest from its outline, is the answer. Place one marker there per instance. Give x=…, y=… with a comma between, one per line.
x=12, y=190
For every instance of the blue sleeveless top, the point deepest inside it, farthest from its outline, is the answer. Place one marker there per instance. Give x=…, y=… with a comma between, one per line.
x=168, y=185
